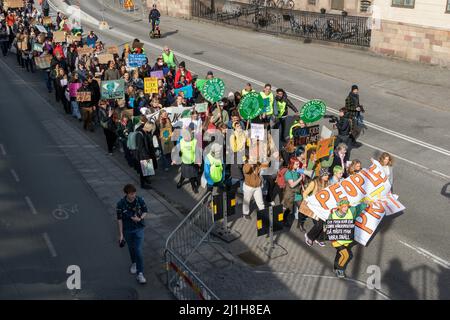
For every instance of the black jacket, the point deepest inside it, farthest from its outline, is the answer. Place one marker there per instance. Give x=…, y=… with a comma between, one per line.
x=343, y=126
x=154, y=15
x=95, y=89
x=144, y=146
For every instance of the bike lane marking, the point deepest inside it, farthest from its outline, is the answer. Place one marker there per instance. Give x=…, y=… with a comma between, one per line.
x=49, y=244
x=30, y=205
x=2, y=149
x=15, y=175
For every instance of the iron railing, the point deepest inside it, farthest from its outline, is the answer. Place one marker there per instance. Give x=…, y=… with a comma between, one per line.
x=181, y=244
x=352, y=30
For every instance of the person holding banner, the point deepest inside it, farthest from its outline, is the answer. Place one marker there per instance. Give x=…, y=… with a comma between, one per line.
x=338, y=172
x=317, y=184
x=344, y=247
x=340, y=158
x=386, y=161
x=248, y=88
x=87, y=107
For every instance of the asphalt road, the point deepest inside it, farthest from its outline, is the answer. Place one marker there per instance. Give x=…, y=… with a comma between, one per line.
x=411, y=249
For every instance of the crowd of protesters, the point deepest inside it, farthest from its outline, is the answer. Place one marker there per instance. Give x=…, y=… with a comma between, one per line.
x=269, y=170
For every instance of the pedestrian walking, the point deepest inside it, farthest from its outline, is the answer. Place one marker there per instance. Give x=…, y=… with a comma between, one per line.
x=252, y=187
x=131, y=212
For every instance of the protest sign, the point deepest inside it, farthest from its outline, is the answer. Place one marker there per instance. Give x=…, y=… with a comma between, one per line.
x=213, y=89
x=201, y=107
x=159, y=74
x=41, y=28
x=187, y=90
x=257, y=131
x=174, y=113
x=43, y=62
x=84, y=50
x=112, y=50
x=14, y=4
x=313, y=111
x=199, y=83
x=105, y=58
x=70, y=38
x=305, y=135
x=83, y=96
x=59, y=36
x=325, y=133
x=113, y=89
x=325, y=148
x=38, y=47
x=47, y=21
x=73, y=88
x=147, y=167
x=136, y=60
x=151, y=85
x=251, y=106
x=338, y=230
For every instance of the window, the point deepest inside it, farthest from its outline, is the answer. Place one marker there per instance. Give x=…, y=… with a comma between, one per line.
x=337, y=4
x=448, y=7
x=403, y=3
x=312, y=2
x=365, y=4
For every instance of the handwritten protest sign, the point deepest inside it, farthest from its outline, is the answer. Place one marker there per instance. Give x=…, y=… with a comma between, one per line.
x=41, y=28
x=151, y=85
x=325, y=148
x=14, y=4
x=59, y=36
x=112, y=50
x=47, y=21
x=38, y=47
x=73, y=88
x=338, y=230
x=113, y=89
x=187, y=90
x=43, y=62
x=105, y=58
x=70, y=38
x=136, y=60
x=157, y=74
x=369, y=184
x=201, y=107
x=257, y=131
x=85, y=50
x=306, y=135
x=83, y=96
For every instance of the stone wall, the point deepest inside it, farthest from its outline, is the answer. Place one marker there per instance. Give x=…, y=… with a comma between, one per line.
x=412, y=42
x=173, y=8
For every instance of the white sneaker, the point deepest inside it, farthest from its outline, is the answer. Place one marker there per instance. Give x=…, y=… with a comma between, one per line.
x=272, y=203
x=320, y=243
x=140, y=278
x=133, y=269
x=308, y=240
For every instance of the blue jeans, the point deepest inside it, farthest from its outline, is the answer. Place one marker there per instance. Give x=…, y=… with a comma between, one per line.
x=135, y=240
x=75, y=109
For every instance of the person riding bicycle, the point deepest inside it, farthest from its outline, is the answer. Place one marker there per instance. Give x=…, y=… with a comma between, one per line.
x=153, y=17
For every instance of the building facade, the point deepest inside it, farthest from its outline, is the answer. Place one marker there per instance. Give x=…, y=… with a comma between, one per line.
x=416, y=30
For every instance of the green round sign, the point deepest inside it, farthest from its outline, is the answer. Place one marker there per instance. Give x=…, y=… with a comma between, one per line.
x=313, y=111
x=213, y=90
x=251, y=106
x=200, y=83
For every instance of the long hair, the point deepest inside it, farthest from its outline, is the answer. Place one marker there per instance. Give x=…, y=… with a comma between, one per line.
x=384, y=155
x=292, y=162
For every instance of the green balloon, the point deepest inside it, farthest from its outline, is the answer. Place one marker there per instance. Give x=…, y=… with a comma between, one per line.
x=313, y=111
x=251, y=106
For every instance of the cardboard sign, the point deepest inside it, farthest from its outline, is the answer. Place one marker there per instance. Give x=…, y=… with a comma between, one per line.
x=85, y=50
x=325, y=148
x=73, y=88
x=337, y=230
x=136, y=60
x=257, y=131
x=151, y=85
x=187, y=90
x=38, y=47
x=83, y=96
x=105, y=58
x=70, y=38
x=47, y=21
x=157, y=74
x=112, y=50
x=113, y=89
x=59, y=36
x=201, y=107
x=14, y=4
x=43, y=62
x=307, y=135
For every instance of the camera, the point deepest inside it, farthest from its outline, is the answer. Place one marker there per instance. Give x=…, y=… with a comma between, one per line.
x=332, y=119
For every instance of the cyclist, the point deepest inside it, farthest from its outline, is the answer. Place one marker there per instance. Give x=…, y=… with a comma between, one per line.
x=153, y=17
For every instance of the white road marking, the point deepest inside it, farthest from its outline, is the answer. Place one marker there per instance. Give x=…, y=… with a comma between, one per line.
x=2, y=148
x=428, y=255
x=49, y=244
x=441, y=174
x=30, y=205
x=14, y=174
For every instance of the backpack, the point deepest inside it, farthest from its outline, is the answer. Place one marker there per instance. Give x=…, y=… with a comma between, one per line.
x=131, y=140
x=280, y=180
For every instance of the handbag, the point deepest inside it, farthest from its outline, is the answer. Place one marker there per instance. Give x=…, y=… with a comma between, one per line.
x=147, y=168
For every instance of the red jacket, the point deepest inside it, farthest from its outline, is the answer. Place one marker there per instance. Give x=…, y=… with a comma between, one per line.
x=58, y=49
x=188, y=77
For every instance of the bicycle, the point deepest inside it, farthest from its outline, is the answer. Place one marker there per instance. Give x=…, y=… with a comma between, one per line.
x=63, y=211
